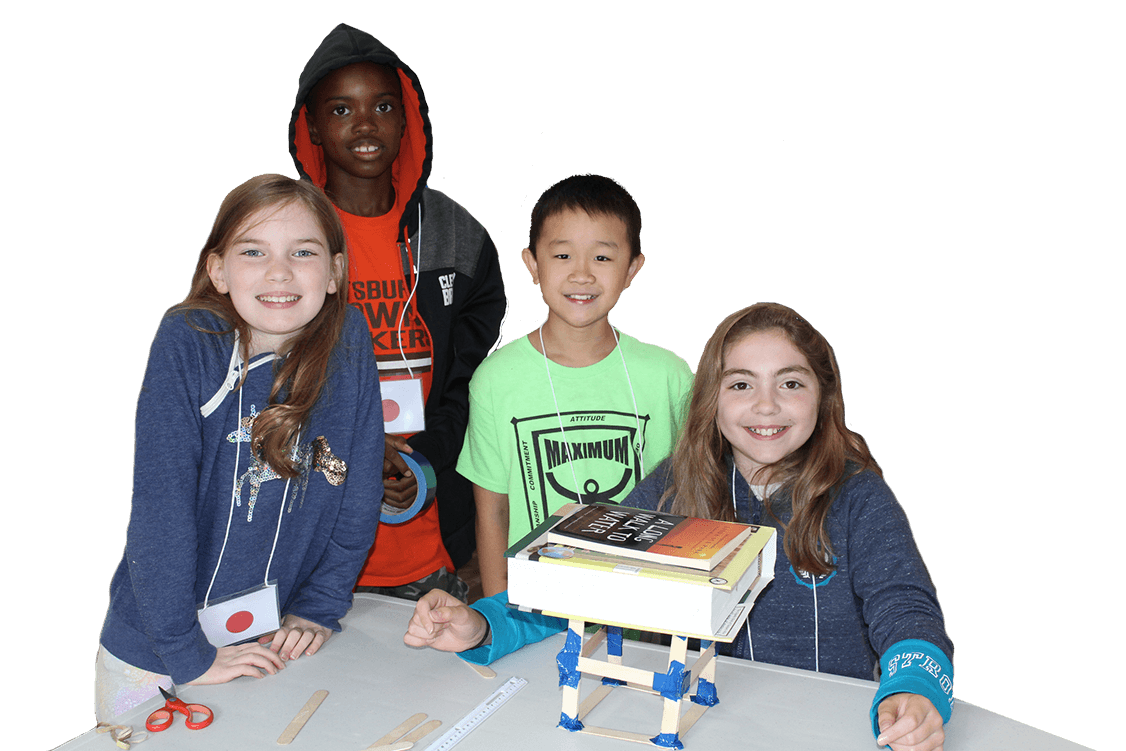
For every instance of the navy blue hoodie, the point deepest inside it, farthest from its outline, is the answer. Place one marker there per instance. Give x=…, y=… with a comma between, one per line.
x=184, y=485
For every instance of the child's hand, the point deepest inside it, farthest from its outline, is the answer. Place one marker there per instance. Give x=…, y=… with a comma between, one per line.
x=239, y=659
x=909, y=722
x=445, y=623
x=296, y=637
x=399, y=484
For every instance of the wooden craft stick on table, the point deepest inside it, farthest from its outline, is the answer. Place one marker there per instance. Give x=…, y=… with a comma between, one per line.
x=301, y=718
x=404, y=737
x=402, y=729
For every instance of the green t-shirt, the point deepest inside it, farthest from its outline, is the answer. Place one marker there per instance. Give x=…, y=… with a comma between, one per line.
x=515, y=443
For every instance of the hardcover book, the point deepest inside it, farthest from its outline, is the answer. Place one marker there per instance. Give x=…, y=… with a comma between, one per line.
x=650, y=535
x=571, y=582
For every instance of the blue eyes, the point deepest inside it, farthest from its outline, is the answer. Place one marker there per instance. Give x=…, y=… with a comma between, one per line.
x=256, y=253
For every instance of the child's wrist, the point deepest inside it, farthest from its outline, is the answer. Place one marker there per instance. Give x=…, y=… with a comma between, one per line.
x=486, y=637
x=915, y=666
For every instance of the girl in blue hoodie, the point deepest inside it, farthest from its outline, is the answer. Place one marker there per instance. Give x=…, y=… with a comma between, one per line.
x=258, y=467
x=765, y=442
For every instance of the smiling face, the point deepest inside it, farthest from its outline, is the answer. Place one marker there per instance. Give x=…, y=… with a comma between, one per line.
x=768, y=401
x=582, y=263
x=277, y=270
x=355, y=114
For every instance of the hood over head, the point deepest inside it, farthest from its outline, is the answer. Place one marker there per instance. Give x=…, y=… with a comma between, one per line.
x=343, y=46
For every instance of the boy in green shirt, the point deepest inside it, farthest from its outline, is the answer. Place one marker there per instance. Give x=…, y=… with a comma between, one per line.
x=575, y=411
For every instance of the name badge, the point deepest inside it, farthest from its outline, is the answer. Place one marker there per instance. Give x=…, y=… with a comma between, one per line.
x=242, y=616
x=403, y=406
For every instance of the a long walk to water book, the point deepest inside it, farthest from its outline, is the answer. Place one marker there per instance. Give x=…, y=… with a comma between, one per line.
x=570, y=582
x=650, y=535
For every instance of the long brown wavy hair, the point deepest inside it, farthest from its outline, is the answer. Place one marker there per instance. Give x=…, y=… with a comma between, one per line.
x=810, y=475
x=300, y=375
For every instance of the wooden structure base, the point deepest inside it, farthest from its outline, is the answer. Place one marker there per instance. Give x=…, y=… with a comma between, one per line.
x=577, y=658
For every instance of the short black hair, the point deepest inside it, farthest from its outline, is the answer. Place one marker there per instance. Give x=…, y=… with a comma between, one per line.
x=593, y=194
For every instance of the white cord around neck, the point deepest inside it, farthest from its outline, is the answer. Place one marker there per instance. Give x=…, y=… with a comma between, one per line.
x=416, y=266
x=559, y=415
x=766, y=491
x=562, y=432
x=234, y=491
x=816, y=626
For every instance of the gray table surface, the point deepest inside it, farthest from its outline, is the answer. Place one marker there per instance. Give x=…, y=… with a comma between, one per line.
x=375, y=682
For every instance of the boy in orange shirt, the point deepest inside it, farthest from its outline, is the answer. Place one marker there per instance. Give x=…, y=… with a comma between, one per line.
x=424, y=273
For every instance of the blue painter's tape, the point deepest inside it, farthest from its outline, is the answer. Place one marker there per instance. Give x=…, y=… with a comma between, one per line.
x=667, y=740
x=613, y=647
x=705, y=693
x=674, y=684
x=568, y=661
x=614, y=640
x=427, y=482
x=573, y=724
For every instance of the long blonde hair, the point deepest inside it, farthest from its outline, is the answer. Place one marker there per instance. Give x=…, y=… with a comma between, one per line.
x=810, y=475
x=301, y=374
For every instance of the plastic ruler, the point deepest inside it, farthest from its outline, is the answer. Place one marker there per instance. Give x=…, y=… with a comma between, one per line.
x=478, y=715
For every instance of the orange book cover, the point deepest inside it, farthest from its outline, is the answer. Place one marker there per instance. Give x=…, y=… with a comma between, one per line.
x=649, y=535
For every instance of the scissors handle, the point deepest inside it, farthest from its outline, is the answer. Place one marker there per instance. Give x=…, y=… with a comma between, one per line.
x=194, y=709
x=161, y=719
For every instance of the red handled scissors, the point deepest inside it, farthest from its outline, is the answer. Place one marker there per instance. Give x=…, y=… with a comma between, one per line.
x=161, y=719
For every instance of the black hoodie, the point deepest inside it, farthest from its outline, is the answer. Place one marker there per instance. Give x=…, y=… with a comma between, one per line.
x=460, y=293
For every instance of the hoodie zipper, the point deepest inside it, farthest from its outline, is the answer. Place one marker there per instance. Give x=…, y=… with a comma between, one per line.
x=229, y=383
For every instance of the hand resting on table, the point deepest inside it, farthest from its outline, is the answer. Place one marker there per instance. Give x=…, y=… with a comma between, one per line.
x=443, y=622
x=909, y=722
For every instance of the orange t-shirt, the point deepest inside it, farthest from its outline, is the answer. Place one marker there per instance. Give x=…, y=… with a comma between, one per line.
x=379, y=270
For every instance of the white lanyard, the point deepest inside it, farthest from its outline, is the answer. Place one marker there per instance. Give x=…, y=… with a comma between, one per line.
x=559, y=415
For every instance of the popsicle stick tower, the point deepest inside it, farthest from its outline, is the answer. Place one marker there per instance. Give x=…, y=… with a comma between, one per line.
x=674, y=685
x=704, y=589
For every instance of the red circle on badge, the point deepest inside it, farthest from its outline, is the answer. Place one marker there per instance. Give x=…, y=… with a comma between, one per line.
x=240, y=621
x=390, y=410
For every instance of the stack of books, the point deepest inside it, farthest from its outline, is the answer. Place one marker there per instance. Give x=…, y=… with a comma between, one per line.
x=648, y=570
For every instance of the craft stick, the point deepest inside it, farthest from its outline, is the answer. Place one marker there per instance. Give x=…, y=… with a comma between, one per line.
x=623, y=735
x=593, y=642
x=422, y=731
x=695, y=711
x=482, y=670
x=625, y=673
x=302, y=717
x=396, y=746
x=591, y=701
x=402, y=729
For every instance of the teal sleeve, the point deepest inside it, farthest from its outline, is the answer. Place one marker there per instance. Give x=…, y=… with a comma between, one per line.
x=511, y=629
x=914, y=666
